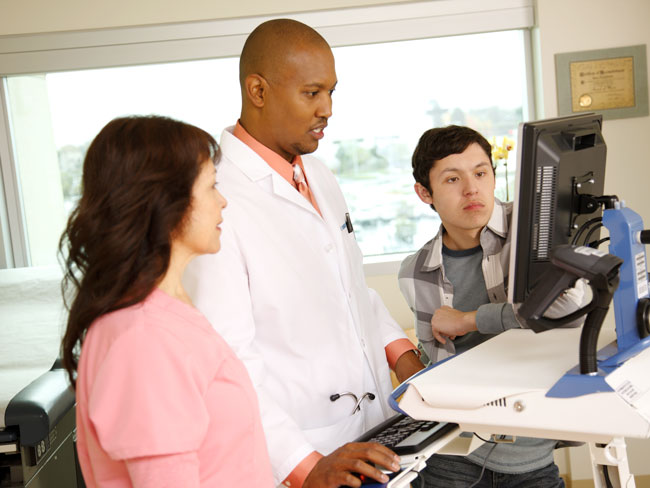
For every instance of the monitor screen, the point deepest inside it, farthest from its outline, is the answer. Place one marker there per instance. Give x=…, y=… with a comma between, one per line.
x=558, y=160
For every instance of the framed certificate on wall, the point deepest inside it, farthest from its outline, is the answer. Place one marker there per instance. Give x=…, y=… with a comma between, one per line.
x=612, y=82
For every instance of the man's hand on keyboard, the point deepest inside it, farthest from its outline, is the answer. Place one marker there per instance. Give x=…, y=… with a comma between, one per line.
x=355, y=457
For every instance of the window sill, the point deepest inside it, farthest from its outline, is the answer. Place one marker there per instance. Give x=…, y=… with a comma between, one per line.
x=385, y=264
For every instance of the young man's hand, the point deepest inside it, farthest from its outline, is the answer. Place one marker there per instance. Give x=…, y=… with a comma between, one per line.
x=448, y=323
x=336, y=469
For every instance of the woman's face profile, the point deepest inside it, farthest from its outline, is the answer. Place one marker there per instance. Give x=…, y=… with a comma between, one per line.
x=201, y=233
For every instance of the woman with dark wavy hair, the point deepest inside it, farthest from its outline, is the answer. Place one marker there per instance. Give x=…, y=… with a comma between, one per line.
x=162, y=401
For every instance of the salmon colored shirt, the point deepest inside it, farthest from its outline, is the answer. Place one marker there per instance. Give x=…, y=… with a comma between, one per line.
x=163, y=401
x=393, y=350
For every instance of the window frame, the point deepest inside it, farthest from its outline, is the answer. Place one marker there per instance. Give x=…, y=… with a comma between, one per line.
x=186, y=41
x=13, y=235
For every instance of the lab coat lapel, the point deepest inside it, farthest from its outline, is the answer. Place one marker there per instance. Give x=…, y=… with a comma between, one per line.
x=255, y=168
x=284, y=189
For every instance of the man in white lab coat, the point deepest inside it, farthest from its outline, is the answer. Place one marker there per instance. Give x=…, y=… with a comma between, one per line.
x=287, y=290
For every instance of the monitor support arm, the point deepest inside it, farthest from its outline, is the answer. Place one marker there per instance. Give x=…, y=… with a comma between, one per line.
x=587, y=203
x=571, y=263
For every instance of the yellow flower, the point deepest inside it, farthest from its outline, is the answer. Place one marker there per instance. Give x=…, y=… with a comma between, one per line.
x=508, y=144
x=501, y=151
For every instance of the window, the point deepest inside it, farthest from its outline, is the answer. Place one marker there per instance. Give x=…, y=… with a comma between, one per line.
x=388, y=94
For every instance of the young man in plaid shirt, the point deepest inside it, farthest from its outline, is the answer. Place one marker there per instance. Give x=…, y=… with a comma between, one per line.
x=456, y=287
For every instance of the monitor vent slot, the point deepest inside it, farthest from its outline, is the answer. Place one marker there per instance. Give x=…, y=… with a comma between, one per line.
x=501, y=402
x=545, y=178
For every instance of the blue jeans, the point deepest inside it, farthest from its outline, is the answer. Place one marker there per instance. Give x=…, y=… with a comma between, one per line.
x=458, y=472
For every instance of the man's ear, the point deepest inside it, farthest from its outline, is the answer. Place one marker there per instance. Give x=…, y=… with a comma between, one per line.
x=256, y=88
x=423, y=193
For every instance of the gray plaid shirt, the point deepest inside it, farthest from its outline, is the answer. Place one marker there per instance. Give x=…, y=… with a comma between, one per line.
x=423, y=283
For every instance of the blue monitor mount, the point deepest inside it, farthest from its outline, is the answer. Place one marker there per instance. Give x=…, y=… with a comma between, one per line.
x=621, y=274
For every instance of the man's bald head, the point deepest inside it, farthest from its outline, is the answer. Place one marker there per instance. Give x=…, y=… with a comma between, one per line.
x=272, y=44
x=287, y=77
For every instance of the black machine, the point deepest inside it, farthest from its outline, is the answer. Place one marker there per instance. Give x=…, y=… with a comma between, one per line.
x=37, y=445
x=573, y=262
x=559, y=211
x=560, y=166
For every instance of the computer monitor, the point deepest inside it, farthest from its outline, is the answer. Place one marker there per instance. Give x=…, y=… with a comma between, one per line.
x=558, y=161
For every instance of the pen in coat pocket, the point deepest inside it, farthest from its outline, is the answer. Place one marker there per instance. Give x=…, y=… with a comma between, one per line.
x=348, y=224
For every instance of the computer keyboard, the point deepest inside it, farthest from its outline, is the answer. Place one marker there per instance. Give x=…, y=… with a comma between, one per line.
x=405, y=435
x=410, y=439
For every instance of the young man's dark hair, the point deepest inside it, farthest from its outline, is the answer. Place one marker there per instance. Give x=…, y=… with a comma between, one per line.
x=440, y=142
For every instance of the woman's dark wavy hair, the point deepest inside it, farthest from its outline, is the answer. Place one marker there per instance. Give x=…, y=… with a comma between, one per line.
x=137, y=184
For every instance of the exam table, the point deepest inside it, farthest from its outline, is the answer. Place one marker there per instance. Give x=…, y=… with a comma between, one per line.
x=37, y=406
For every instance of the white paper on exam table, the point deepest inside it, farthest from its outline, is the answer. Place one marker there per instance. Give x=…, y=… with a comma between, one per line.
x=32, y=321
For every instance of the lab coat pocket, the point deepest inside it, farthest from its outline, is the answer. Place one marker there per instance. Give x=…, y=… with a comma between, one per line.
x=327, y=439
x=354, y=253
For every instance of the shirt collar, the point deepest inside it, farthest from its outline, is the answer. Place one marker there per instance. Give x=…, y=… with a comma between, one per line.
x=498, y=222
x=273, y=159
x=434, y=249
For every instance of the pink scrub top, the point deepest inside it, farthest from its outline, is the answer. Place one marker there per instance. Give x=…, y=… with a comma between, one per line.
x=154, y=380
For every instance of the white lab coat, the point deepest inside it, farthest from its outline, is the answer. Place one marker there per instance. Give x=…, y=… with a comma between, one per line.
x=287, y=291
